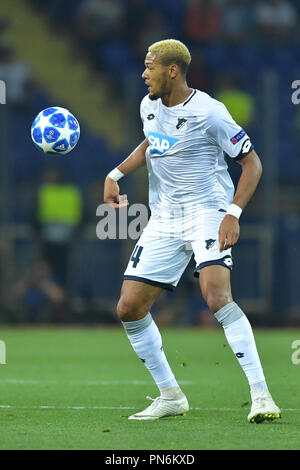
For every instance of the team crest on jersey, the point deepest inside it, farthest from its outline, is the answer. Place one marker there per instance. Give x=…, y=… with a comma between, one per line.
x=181, y=123
x=159, y=144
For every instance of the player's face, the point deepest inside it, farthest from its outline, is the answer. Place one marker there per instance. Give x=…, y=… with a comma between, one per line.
x=156, y=77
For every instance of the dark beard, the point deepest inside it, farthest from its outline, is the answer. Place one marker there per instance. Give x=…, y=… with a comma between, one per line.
x=163, y=88
x=153, y=97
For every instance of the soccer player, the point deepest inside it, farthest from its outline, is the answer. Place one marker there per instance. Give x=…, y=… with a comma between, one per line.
x=193, y=211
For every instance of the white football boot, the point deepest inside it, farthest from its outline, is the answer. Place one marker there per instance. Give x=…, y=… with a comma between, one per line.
x=163, y=407
x=263, y=407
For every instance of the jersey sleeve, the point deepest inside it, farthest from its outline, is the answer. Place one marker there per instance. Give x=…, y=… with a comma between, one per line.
x=227, y=134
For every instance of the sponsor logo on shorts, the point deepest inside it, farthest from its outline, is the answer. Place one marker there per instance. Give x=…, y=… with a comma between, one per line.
x=227, y=261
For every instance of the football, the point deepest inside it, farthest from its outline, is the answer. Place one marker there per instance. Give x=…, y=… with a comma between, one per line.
x=55, y=131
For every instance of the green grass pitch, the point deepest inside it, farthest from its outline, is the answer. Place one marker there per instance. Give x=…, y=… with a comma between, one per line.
x=73, y=388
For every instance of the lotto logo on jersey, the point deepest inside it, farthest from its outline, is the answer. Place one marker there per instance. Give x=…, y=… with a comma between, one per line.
x=159, y=144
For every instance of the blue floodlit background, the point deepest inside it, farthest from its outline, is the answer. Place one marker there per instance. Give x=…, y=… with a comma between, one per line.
x=87, y=56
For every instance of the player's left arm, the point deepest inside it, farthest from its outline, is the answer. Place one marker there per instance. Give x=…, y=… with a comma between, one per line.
x=251, y=173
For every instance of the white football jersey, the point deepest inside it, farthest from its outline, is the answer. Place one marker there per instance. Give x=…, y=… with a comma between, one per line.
x=185, y=159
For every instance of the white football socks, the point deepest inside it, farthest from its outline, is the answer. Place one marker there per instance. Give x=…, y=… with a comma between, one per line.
x=146, y=341
x=240, y=337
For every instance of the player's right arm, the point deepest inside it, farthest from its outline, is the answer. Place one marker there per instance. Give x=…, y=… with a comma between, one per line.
x=111, y=188
x=135, y=160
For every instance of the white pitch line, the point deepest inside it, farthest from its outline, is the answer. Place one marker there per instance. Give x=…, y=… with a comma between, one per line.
x=53, y=407
x=84, y=382
x=69, y=407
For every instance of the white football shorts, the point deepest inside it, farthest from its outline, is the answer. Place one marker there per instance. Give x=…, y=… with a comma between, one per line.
x=160, y=259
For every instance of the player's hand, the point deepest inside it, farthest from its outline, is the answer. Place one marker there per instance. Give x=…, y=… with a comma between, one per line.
x=229, y=232
x=112, y=195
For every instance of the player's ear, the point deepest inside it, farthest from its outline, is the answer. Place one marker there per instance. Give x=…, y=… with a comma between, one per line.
x=173, y=70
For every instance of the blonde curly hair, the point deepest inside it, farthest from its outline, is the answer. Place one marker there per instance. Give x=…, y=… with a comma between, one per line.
x=172, y=51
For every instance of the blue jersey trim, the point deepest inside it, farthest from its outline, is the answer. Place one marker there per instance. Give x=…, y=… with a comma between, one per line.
x=189, y=99
x=216, y=262
x=169, y=287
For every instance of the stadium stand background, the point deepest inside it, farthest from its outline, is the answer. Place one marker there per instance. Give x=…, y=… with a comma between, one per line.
x=87, y=55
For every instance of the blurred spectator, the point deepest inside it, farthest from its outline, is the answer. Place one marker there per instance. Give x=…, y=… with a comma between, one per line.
x=239, y=103
x=198, y=312
x=297, y=115
x=17, y=76
x=202, y=21
x=113, y=57
x=59, y=213
x=98, y=21
x=164, y=310
x=40, y=295
x=62, y=12
x=173, y=13
x=136, y=12
x=93, y=193
x=238, y=21
x=4, y=26
x=198, y=73
x=154, y=29
x=276, y=19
